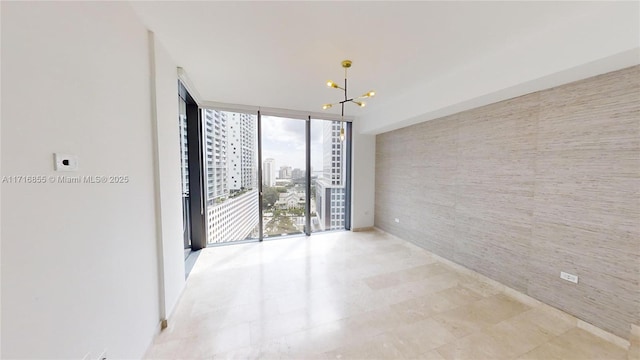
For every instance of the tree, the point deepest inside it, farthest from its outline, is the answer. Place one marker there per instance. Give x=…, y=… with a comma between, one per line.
x=269, y=196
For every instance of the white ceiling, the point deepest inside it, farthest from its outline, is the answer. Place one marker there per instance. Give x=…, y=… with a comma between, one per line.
x=280, y=54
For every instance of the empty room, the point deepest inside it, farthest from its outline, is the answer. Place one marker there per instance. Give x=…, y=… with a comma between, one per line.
x=320, y=180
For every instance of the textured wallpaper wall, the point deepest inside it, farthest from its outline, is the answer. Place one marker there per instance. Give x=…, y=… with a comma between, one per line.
x=528, y=187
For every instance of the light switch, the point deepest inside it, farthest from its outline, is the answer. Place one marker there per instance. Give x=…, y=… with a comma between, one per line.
x=65, y=162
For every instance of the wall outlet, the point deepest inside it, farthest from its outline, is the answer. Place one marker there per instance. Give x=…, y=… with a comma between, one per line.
x=397, y=220
x=569, y=277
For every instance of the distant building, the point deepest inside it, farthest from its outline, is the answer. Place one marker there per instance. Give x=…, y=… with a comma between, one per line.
x=269, y=172
x=241, y=150
x=297, y=173
x=184, y=150
x=290, y=200
x=285, y=172
x=215, y=147
x=233, y=219
x=330, y=187
x=231, y=175
x=283, y=183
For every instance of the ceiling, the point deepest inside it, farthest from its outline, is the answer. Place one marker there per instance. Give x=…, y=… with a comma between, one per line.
x=280, y=54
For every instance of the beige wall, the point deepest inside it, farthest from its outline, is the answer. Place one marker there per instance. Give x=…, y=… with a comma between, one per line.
x=525, y=188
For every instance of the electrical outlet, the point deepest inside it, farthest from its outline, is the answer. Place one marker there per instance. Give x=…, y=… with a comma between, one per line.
x=569, y=277
x=397, y=220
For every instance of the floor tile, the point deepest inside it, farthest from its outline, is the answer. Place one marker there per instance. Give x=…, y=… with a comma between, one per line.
x=365, y=295
x=576, y=344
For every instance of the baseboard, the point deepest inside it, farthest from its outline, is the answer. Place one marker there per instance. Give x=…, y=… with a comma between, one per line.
x=361, y=229
x=625, y=344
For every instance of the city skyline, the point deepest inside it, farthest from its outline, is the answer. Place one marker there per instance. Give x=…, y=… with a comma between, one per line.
x=231, y=175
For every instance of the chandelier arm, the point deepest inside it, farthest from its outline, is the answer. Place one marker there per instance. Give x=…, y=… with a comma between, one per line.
x=345, y=82
x=346, y=64
x=345, y=85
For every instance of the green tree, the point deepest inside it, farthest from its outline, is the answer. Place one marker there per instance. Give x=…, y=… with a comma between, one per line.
x=269, y=196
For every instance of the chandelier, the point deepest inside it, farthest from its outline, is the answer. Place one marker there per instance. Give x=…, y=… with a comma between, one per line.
x=346, y=64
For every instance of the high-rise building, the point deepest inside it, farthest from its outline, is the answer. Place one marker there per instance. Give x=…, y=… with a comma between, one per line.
x=215, y=148
x=285, y=172
x=269, y=172
x=330, y=189
x=233, y=219
x=297, y=173
x=231, y=169
x=241, y=150
x=184, y=149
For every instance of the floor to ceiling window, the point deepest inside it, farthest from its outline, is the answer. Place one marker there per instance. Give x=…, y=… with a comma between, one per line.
x=184, y=172
x=329, y=176
x=231, y=176
x=284, y=176
x=251, y=176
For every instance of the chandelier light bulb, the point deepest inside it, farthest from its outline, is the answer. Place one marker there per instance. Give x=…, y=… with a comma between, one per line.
x=331, y=84
x=326, y=106
x=341, y=133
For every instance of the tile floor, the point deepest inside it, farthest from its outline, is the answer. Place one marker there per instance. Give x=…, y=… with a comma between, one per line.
x=361, y=295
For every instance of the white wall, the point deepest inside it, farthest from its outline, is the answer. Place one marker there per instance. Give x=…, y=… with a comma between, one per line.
x=165, y=99
x=604, y=38
x=0, y=192
x=363, y=170
x=79, y=261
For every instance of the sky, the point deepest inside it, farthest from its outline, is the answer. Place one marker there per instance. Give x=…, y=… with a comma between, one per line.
x=284, y=141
